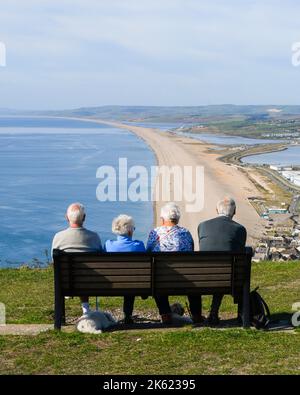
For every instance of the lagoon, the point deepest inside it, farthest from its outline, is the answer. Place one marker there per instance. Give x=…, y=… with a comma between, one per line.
x=290, y=156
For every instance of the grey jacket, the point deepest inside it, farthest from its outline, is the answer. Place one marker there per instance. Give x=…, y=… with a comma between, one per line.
x=77, y=240
x=221, y=234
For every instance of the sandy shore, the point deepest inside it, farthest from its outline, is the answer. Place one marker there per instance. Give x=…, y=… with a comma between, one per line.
x=219, y=178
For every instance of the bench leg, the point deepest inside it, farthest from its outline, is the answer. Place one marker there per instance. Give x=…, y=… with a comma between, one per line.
x=246, y=305
x=63, y=312
x=58, y=312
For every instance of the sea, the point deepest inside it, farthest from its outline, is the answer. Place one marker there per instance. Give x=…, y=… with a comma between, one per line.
x=48, y=163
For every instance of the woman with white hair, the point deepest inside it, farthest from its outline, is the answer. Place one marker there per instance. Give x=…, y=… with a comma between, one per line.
x=123, y=226
x=172, y=237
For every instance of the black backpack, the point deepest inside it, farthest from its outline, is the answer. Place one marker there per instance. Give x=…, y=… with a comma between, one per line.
x=259, y=311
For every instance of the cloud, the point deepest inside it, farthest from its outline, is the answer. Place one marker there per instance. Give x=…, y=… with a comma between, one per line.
x=210, y=50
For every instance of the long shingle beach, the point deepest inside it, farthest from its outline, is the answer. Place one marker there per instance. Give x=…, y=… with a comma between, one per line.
x=219, y=178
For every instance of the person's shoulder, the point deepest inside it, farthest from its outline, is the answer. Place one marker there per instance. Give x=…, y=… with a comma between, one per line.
x=109, y=245
x=184, y=230
x=139, y=243
x=109, y=242
x=157, y=229
x=238, y=225
x=90, y=232
x=209, y=221
x=61, y=233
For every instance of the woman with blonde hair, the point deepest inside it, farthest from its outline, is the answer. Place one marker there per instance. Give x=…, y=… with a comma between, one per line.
x=123, y=226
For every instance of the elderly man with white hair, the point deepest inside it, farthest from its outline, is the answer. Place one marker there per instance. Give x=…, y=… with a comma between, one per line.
x=172, y=237
x=123, y=226
x=76, y=238
x=221, y=234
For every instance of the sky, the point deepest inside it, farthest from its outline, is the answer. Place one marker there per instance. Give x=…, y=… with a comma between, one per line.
x=76, y=53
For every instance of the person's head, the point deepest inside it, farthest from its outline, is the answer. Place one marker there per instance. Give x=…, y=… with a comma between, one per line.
x=123, y=225
x=75, y=214
x=226, y=207
x=170, y=214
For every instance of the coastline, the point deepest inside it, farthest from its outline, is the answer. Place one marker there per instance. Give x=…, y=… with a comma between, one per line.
x=220, y=178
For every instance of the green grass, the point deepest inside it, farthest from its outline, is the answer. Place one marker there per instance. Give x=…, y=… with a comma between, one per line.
x=185, y=351
x=28, y=295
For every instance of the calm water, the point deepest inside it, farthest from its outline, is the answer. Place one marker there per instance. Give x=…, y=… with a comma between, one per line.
x=290, y=156
x=206, y=137
x=44, y=165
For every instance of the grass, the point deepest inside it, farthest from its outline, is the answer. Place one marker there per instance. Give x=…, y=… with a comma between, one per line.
x=28, y=295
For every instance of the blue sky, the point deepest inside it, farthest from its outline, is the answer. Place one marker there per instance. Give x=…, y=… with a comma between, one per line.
x=72, y=53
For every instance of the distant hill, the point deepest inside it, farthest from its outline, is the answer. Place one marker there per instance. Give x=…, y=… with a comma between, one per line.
x=169, y=114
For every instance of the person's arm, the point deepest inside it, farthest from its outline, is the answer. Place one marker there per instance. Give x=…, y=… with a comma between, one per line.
x=100, y=244
x=244, y=236
x=105, y=247
x=141, y=247
x=191, y=241
x=151, y=240
x=54, y=245
x=200, y=234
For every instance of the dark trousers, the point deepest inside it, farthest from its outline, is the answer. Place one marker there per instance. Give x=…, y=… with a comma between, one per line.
x=216, y=303
x=163, y=304
x=128, y=305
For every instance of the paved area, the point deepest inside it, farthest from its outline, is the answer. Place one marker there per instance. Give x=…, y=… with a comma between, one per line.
x=24, y=329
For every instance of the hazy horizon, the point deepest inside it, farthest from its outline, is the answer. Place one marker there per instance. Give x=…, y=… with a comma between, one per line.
x=73, y=54
x=271, y=105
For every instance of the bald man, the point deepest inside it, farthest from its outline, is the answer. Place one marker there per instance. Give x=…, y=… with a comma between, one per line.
x=77, y=239
x=221, y=234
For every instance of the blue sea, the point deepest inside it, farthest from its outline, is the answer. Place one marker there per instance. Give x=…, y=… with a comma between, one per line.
x=45, y=164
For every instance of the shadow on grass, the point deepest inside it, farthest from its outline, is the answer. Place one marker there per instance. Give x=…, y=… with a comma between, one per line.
x=279, y=322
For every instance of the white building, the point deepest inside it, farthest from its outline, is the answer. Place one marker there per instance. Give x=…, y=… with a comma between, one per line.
x=275, y=167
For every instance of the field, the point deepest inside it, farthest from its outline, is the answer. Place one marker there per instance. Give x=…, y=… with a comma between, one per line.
x=28, y=295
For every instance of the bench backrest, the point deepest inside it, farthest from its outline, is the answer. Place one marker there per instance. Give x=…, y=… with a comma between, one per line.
x=170, y=273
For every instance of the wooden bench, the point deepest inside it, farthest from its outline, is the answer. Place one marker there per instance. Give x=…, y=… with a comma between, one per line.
x=150, y=274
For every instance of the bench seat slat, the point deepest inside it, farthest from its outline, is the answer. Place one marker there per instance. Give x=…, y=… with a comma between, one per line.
x=121, y=285
x=191, y=264
x=107, y=265
x=192, y=284
x=110, y=271
x=105, y=279
x=193, y=277
x=193, y=291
